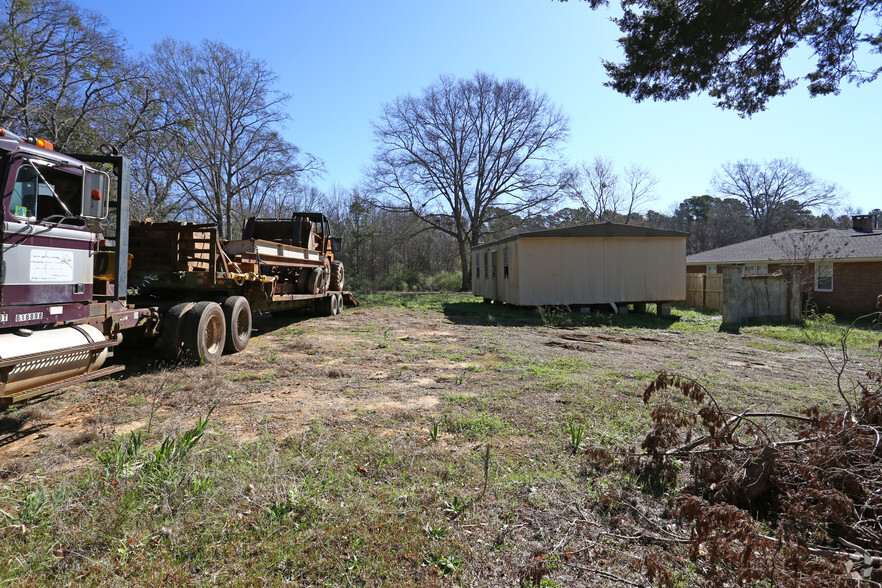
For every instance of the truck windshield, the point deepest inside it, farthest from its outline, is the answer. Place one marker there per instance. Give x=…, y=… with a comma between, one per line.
x=34, y=193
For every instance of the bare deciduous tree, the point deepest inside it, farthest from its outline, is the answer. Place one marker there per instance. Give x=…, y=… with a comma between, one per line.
x=64, y=76
x=640, y=187
x=155, y=176
x=230, y=141
x=607, y=196
x=596, y=187
x=279, y=200
x=773, y=191
x=465, y=151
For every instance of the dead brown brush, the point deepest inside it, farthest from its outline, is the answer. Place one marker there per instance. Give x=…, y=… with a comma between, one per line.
x=805, y=510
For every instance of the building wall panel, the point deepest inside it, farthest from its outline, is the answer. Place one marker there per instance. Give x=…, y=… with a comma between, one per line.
x=601, y=270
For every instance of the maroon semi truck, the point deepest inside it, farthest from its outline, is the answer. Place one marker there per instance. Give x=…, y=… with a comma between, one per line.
x=76, y=276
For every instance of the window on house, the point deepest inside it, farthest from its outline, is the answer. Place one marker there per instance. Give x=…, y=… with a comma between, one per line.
x=711, y=269
x=756, y=269
x=486, y=265
x=493, y=264
x=505, y=263
x=824, y=277
x=477, y=265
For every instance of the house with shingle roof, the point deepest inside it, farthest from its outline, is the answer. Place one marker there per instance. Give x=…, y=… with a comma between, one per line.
x=842, y=271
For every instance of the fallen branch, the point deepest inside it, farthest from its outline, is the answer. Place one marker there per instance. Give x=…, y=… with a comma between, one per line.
x=608, y=576
x=865, y=558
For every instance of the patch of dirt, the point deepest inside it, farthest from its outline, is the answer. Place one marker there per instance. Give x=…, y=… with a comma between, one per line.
x=382, y=361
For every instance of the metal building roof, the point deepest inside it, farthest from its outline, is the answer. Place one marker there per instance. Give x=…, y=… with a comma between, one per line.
x=596, y=230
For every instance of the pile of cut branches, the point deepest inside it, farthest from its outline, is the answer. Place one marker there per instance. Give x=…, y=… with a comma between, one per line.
x=795, y=500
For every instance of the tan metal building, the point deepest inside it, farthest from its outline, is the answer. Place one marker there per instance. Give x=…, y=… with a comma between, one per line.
x=591, y=264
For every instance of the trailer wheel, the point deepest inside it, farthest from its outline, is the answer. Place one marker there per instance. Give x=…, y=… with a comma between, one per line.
x=339, y=303
x=172, y=330
x=205, y=332
x=329, y=305
x=237, y=315
x=336, y=275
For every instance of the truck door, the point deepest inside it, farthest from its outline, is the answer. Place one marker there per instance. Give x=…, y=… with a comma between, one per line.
x=47, y=249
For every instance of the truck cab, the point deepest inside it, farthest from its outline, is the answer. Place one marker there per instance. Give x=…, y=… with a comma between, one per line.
x=57, y=318
x=52, y=207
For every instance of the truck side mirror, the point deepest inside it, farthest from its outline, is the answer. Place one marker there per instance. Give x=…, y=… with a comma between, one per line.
x=96, y=195
x=336, y=244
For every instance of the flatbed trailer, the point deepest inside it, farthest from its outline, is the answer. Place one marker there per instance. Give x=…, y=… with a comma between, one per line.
x=176, y=265
x=79, y=278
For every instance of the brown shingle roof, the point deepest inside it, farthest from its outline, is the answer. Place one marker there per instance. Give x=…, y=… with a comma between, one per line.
x=797, y=245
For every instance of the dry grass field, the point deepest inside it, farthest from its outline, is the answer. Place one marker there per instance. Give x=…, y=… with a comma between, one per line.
x=416, y=440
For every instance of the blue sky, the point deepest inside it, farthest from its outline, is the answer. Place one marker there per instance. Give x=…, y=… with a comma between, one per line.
x=341, y=60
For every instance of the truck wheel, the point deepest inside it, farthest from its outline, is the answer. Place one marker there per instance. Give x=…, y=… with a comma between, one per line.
x=329, y=305
x=336, y=275
x=237, y=315
x=204, y=332
x=339, y=303
x=172, y=330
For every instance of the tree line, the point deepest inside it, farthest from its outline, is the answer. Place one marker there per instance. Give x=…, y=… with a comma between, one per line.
x=460, y=162
x=202, y=123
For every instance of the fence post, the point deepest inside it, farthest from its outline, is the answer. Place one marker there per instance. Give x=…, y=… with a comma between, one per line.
x=704, y=290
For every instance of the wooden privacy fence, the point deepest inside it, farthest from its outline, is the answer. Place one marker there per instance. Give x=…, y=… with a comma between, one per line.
x=704, y=290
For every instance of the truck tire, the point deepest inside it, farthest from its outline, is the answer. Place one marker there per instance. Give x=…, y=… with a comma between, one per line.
x=336, y=276
x=237, y=315
x=204, y=332
x=329, y=305
x=172, y=330
x=339, y=303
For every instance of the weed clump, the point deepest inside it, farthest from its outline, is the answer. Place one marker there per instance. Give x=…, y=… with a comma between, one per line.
x=161, y=471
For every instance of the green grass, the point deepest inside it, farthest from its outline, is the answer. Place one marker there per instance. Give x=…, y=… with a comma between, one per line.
x=253, y=376
x=251, y=513
x=820, y=332
x=431, y=301
x=477, y=426
x=696, y=320
x=559, y=373
x=200, y=507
